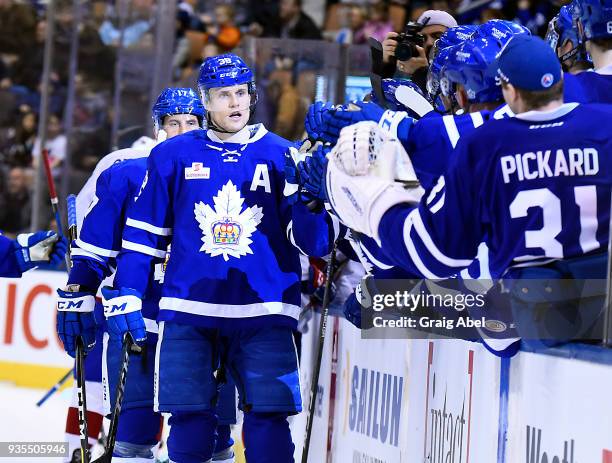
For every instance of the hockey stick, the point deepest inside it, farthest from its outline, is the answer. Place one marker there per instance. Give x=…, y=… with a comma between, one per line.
x=107, y=456
x=55, y=388
x=317, y=369
x=80, y=348
x=53, y=198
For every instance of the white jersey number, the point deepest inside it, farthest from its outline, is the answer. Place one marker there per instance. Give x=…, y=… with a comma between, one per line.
x=545, y=238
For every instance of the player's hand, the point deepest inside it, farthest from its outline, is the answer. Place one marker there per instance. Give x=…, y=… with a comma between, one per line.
x=122, y=309
x=75, y=317
x=43, y=247
x=313, y=122
x=312, y=172
x=335, y=120
x=293, y=190
x=359, y=303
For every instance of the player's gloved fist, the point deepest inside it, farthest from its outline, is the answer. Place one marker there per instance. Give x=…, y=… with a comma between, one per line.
x=358, y=306
x=43, y=247
x=314, y=122
x=293, y=190
x=312, y=172
x=122, y=309
x=75, y=317
x=335, y=120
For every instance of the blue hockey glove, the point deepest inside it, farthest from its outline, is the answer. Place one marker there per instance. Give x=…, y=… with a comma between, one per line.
x=335, y=120
x=122, y=309
x=312, y=172
x=294, y=190
x=75, y=317
x=313, y=122
x=43, y=247
x=353, y=308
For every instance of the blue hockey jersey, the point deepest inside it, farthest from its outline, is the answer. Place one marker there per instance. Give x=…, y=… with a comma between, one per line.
x=234, y=236
x=431, y=140
x=536, y=185
x=94, y=252
x=8, y=262
x=589, y=86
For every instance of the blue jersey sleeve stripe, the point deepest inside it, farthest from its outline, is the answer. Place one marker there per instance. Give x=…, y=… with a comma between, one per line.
x=439, y=204
x=148, y=227
x=83, y=253
x=373, y=259
x=477, y=119
x=412, y=252
x=141, y=248
x=435, y=190
x=95, y=249
x=431, y=247
x=292, y=239
x=451, y=129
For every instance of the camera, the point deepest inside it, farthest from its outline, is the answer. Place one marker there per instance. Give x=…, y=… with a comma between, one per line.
x=408, y=40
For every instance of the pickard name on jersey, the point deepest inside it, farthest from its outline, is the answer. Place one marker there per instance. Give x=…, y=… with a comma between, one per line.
x=549, y=201
x=234, y=237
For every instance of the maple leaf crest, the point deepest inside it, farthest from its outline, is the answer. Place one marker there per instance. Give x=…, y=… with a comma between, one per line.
x=227, y=229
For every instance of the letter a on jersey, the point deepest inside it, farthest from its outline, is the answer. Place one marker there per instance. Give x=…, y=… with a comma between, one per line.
x=227, y=229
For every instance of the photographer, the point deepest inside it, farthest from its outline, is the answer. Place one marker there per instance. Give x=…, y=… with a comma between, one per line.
x=415, y=44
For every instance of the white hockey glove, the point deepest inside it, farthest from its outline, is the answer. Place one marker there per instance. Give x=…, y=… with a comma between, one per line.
x=359, y=178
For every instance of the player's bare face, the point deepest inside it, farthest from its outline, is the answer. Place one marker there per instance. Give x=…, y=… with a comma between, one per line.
x=177, y=124
x=229, y=107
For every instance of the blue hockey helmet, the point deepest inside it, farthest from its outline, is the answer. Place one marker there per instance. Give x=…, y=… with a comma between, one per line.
x=455, y=35
x=176, y=101
x=225, y=71
x=389, y=87
x=500, y=30
x=470, y=64
x=595, y=18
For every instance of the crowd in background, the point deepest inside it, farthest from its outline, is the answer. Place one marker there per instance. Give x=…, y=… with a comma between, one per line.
x=203, y=28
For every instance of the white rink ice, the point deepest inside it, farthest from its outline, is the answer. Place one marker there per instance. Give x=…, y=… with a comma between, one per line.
x=22, y=421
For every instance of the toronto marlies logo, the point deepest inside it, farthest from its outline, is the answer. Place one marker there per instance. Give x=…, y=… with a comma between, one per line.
x=227, y=229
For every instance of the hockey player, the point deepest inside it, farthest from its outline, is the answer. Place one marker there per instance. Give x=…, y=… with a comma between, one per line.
x=93, y=361
x=549, y=202
x=231, y=289
x=176, y=111
x=28, y=251
x=563, y=38
x=595, y=28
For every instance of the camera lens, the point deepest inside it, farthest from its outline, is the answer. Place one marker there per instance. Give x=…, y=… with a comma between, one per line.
x=405, y=51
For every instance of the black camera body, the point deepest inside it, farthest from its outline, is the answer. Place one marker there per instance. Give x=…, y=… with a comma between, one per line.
x=408, y=40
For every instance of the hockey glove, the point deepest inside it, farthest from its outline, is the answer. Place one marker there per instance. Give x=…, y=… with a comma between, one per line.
x=293, y=183
x=314, y=122
x=122, y=309
x=358, y=306
x=43, y=247
x=75, y=317
x=334, y=121
x=312, y=172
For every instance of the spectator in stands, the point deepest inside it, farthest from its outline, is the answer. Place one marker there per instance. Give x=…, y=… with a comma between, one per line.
x=17, y=26
x=224, y=32
x=295, y=24
x=15, y=203
x=378, y=25
x=55, y=143
x=263, y=20
x=17, y=149
x=282, y=95
x=531, y=14
x=354, y=33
